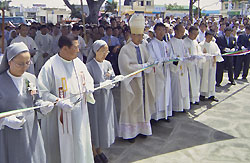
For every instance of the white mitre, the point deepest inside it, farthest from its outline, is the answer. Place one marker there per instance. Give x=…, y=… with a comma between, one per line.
x=137, y=24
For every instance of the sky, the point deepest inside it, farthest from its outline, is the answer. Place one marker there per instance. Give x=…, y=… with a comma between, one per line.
x=207, y=4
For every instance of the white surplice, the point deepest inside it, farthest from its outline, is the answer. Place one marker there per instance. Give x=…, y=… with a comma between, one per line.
x=163, y=102
x=82, y=47
x=193, y=69
x=207, y=88
x=55, y=45
x=201, y=36
x=44, y=43
x=70, y=141
x=179, y=75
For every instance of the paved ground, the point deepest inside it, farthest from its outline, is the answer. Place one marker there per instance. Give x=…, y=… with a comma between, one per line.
x=210, y=133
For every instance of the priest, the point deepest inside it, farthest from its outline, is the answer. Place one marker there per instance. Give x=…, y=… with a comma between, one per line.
x=179, y=71
x=194, y=64
x=137, y=92
x=212, y=53
x=65, y=80
x=158, y=50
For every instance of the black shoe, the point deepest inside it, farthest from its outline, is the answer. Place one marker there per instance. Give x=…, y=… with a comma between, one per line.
x=97, y=159
x=243, y=78
x=143, y=136
x=212, y=98
x=218, y=85
x=131, y=140
x=233, y=83
x=166, y=120
x=103, y=158
x=202, y=98
x=197, y=103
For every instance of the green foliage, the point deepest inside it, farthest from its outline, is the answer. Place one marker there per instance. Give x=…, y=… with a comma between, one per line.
x=76, y=12
x=174, y=7
x=5, y=5
x=110, y=7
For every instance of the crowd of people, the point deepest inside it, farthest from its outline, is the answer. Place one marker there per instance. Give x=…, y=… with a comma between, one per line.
x=80, y=81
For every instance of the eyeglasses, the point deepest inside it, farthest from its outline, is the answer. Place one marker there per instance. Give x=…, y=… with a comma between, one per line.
x=22, y=64
x=105, y=52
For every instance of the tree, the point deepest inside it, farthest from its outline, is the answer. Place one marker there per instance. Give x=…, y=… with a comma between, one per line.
x=174, y=6
x=5, y=5
x=94, y=8
x=191, y=3
x=110, y=6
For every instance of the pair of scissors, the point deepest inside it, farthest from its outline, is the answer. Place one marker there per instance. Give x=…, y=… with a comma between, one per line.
x=77, y=101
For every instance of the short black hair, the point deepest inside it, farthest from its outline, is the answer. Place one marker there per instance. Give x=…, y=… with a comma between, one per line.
x=108, y=27
x=247, y=27
x=75, y=27
x=192, y=28
x=177, y=27
x=33, y=28
x=228, y=29
x=158, y=25
x=209, y=32
x=22, y=25
x=101, y=26
x=112, y=19
x=66, y=41
x=203, y=24
x=43, y=26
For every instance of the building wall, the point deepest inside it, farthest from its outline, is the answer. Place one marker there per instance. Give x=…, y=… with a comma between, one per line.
x=237, y=8
x=42, y=15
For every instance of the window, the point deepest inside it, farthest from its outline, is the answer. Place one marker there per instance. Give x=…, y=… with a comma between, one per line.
x=141, y=3
x=226, y=6
x=148, y=3
x=59, y=18
x=232, y=6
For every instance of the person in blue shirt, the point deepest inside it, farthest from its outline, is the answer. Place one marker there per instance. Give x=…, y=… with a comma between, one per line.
x=114, y=48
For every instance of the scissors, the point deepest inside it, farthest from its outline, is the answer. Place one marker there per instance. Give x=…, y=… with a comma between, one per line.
x=77, y=101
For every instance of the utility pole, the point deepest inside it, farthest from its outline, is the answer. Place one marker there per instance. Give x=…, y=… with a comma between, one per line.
x=83, y=23
x=120, y=5
x=198, y=8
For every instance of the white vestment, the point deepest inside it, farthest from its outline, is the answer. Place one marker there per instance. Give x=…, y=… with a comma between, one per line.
x=55, y=45
x=163, y=101
x=30, y=43
x=137, y=99
x=44, y=43
x=69, y=141
x=193, y=69
x=82, y=47
x=209, y=68
x=179, y=75
x=201, y=36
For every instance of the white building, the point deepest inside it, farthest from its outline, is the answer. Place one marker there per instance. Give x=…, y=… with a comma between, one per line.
x=41, y=13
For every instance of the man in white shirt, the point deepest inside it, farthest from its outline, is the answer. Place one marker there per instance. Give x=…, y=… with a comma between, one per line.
x=203, y=29
x=44, y=42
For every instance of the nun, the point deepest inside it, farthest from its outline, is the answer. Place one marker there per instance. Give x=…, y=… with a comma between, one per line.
x=102, y=114
x=20, y=135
